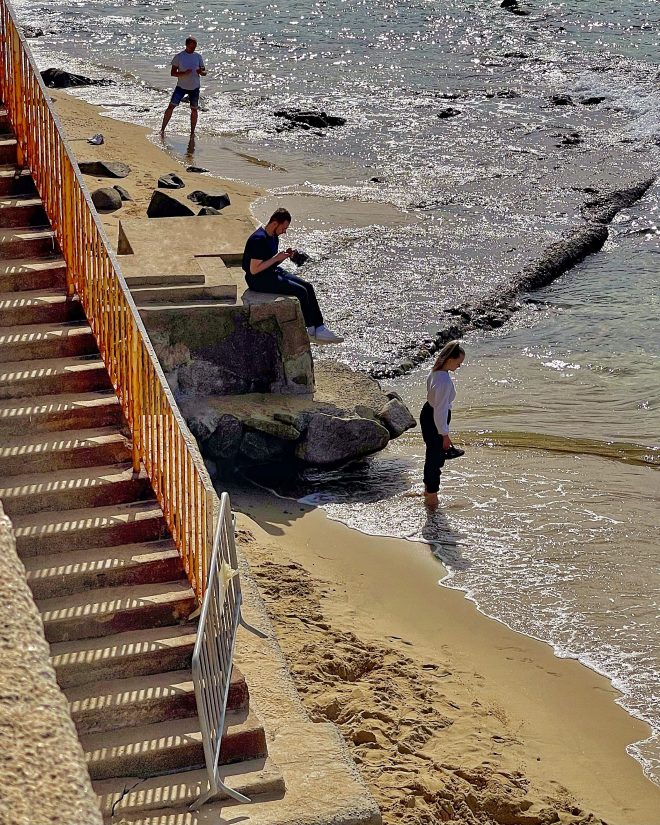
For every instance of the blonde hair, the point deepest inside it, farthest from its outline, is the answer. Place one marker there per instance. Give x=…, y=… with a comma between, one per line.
x=452, y=349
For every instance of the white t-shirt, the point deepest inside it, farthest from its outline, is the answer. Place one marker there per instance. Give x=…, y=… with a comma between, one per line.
x=440, y=394
x=183, y=61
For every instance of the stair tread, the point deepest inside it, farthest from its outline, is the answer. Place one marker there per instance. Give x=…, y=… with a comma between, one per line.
x=60, y=441
x=10, y=266
x=146, y=739
x=60, y=480
x=34, y=368
x=98, y=559
x=29, y=233
x=89, y=652
x=52, y=521
x=15, y=407
x=8, y=170
x=29, y=333
x=252, y=777
x=133, y=690
x=113, y=599
x=12, y=201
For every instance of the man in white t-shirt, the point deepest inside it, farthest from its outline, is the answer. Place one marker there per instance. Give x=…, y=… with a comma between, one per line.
x=187, y=66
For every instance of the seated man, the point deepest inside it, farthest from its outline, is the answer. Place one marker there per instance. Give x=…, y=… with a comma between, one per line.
x=263, y=274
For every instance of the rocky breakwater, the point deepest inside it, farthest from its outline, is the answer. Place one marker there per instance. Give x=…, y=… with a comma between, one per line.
x=347, y=417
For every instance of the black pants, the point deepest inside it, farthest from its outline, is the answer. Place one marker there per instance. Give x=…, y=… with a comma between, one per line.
x=284, y=283
x=435, y=452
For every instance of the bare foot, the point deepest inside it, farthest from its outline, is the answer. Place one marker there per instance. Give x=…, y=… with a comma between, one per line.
x=431, y=500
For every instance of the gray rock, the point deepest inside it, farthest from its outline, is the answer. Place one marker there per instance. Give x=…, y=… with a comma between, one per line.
x=208, y=210
x=276, y=428
x=365, y=412
x=106, y=199
x=165, y=206
x=396, y=417
x=218, y=200
x=170, y=181
x=198, y=169
x=225, y=440
x=211, y=468
x=332, y=440
x=261, y=448
x=449, y=111
x=208, y=378
x=307, y=119
x=123, y=194
x=104, y=169
x=61, y=79
x=32, y=31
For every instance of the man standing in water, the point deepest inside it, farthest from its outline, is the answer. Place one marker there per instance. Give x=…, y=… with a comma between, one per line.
x=187, y=66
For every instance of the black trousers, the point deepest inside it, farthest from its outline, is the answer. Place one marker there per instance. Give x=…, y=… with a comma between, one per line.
x=285, y=283
x=435, y=452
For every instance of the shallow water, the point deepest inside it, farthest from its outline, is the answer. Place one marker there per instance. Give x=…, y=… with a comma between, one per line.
x=549, y=522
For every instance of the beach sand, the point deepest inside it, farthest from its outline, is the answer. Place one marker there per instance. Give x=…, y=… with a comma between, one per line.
x=450, y=716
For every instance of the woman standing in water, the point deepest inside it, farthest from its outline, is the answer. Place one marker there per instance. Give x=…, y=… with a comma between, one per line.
x=435, y=417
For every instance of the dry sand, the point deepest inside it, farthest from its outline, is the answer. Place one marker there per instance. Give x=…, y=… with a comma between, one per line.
x=450, y=716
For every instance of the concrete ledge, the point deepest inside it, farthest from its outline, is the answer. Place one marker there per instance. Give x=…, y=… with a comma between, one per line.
x=44, y=776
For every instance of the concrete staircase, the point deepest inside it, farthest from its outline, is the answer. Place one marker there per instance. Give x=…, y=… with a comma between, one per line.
x=106, y=576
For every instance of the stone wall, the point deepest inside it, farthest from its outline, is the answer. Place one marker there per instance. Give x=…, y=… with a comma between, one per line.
x=42, y=765
x=233, y=349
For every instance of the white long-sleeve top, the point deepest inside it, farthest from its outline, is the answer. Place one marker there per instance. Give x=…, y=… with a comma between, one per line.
x=440, y=394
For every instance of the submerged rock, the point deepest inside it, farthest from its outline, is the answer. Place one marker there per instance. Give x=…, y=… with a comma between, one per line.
x=562, y=100
x=61, y=79
x=307, y=119
x=448, y=112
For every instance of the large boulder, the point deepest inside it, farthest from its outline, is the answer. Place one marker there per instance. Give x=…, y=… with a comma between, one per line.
x=106, y=199
x=332, y=440
x=61, y=79
x=207, y=378
x=123, y=194
x=396, y=417
x=225, y=440
x=261, y=448
x=104, y=168
x=279, y=429
x=218, y=200
x=165, y=206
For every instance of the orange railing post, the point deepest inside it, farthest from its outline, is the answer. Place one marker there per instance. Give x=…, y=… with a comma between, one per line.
x=162, y=442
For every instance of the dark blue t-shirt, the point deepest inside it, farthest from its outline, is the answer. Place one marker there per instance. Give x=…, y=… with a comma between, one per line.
x=262, y=246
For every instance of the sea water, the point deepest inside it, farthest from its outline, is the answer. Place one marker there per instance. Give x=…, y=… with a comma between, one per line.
x=549, y=523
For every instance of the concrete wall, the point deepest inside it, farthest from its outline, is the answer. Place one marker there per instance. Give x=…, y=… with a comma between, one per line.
x=42, y=766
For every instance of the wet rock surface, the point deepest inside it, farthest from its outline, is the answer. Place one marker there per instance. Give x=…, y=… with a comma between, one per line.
x=61, y=79
x=494, y=310
x=307, y=119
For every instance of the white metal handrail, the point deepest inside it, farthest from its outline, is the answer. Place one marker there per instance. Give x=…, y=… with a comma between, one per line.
x=214, y=648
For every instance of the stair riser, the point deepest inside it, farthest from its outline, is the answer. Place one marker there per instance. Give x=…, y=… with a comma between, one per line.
x=82, y=344
x=19, y=216
x=17, y=185
x=81, y=418
x=60, y=312
x=150, y=529
x=145, y=713
x=28, y=247
x=94, y=456
x=102, y=495
x=132, y=664
x=91, y=380
x=32, y=279
x=7, y=153
x=140, y=618
x=162, y=570
x=187, y=756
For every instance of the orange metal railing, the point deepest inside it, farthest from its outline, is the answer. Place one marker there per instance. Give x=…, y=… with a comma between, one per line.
x=162, y=442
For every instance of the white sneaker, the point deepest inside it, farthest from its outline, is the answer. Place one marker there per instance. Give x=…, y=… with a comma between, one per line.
x=323, y=335
x=311, y=331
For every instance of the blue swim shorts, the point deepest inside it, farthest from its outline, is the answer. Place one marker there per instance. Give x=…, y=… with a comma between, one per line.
x=179, y=94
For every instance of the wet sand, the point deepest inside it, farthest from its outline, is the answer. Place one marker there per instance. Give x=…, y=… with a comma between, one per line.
x=449, y=715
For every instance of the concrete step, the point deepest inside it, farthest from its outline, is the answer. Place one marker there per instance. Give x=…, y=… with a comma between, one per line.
x=21, y=379
x=15, y=180
x=39, y=306
x=8, y=148
x=26, y=274
x=22, y=210
x=48, y=452
x=143, y=700
x=123, y=655
x=182, y=294
x=255, y=778
x=116, y=610
x=72, y=489
x=29, y=242
x=189, y=278
x=54, y=413
x=27, y=342
x=95, y=568
x=170, y=746
x=53, y=532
